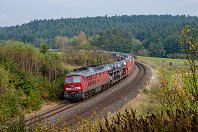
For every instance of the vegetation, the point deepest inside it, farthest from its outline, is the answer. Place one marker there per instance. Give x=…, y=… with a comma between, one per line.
x=118, y=40
x=86, y=58
x=144, y=34
x=27, y=77
x=190, y=44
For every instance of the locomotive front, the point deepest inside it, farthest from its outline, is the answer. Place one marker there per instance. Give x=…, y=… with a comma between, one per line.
x=73, y=87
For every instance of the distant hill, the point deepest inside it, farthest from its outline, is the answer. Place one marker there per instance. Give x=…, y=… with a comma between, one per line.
x=141, y=26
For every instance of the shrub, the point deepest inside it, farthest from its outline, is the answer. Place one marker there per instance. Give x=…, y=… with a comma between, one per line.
x=33, y=101
x=9, y=107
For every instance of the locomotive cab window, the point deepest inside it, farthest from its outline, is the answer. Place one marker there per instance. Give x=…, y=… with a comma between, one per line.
x=68, y=80
x=76, y=79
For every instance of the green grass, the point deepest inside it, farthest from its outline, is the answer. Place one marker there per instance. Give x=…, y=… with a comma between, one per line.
x=162, y=60
x=170, y=66
x=167, y=63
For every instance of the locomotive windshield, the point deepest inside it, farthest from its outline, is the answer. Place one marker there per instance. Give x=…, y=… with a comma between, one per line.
x=68, y=80
x=76, y=79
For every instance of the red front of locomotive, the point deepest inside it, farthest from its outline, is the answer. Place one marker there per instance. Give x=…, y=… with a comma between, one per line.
x=73, y=87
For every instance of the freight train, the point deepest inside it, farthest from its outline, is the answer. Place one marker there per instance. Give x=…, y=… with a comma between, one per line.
x=84, y=82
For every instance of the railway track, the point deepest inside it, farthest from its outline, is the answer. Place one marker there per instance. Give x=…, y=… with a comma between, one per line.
x=50, y=113
x=98, y=106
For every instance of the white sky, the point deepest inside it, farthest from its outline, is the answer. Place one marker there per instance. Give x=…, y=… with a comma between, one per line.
x=14, y=12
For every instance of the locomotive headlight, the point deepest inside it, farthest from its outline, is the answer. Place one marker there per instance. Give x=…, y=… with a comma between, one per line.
x=78, y=87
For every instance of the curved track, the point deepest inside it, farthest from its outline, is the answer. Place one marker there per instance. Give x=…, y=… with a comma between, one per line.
x=85, y=109
x=50, y=113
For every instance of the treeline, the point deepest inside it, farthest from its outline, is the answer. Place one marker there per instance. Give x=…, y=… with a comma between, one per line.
x=147, y=32
x=120, y=40
x=140, y=25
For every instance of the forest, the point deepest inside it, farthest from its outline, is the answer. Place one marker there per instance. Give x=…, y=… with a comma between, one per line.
x=148, y=35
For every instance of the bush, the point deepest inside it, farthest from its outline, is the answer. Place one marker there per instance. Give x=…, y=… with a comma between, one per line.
x=180, y=120
x=9, y=107
x=14, y=125
x=33, y=101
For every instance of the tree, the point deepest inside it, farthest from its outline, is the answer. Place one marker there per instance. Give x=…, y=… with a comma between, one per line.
x=152, y=38
x=85, y=45
x=118, y=40
x=73, y=40
x=61, y=42
x=170, y=44
x=44, y=48
x=38, y=42
x=136, y=45
x=156, y=50
x=190, y=44
x=82, y=37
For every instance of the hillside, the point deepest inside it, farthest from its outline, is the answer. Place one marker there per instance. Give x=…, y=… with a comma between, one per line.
x=141, y=26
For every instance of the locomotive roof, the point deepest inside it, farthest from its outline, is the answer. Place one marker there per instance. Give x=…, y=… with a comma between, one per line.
x=88, y=71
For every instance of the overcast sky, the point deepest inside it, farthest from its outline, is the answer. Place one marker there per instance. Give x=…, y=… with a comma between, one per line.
x=14, y=12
